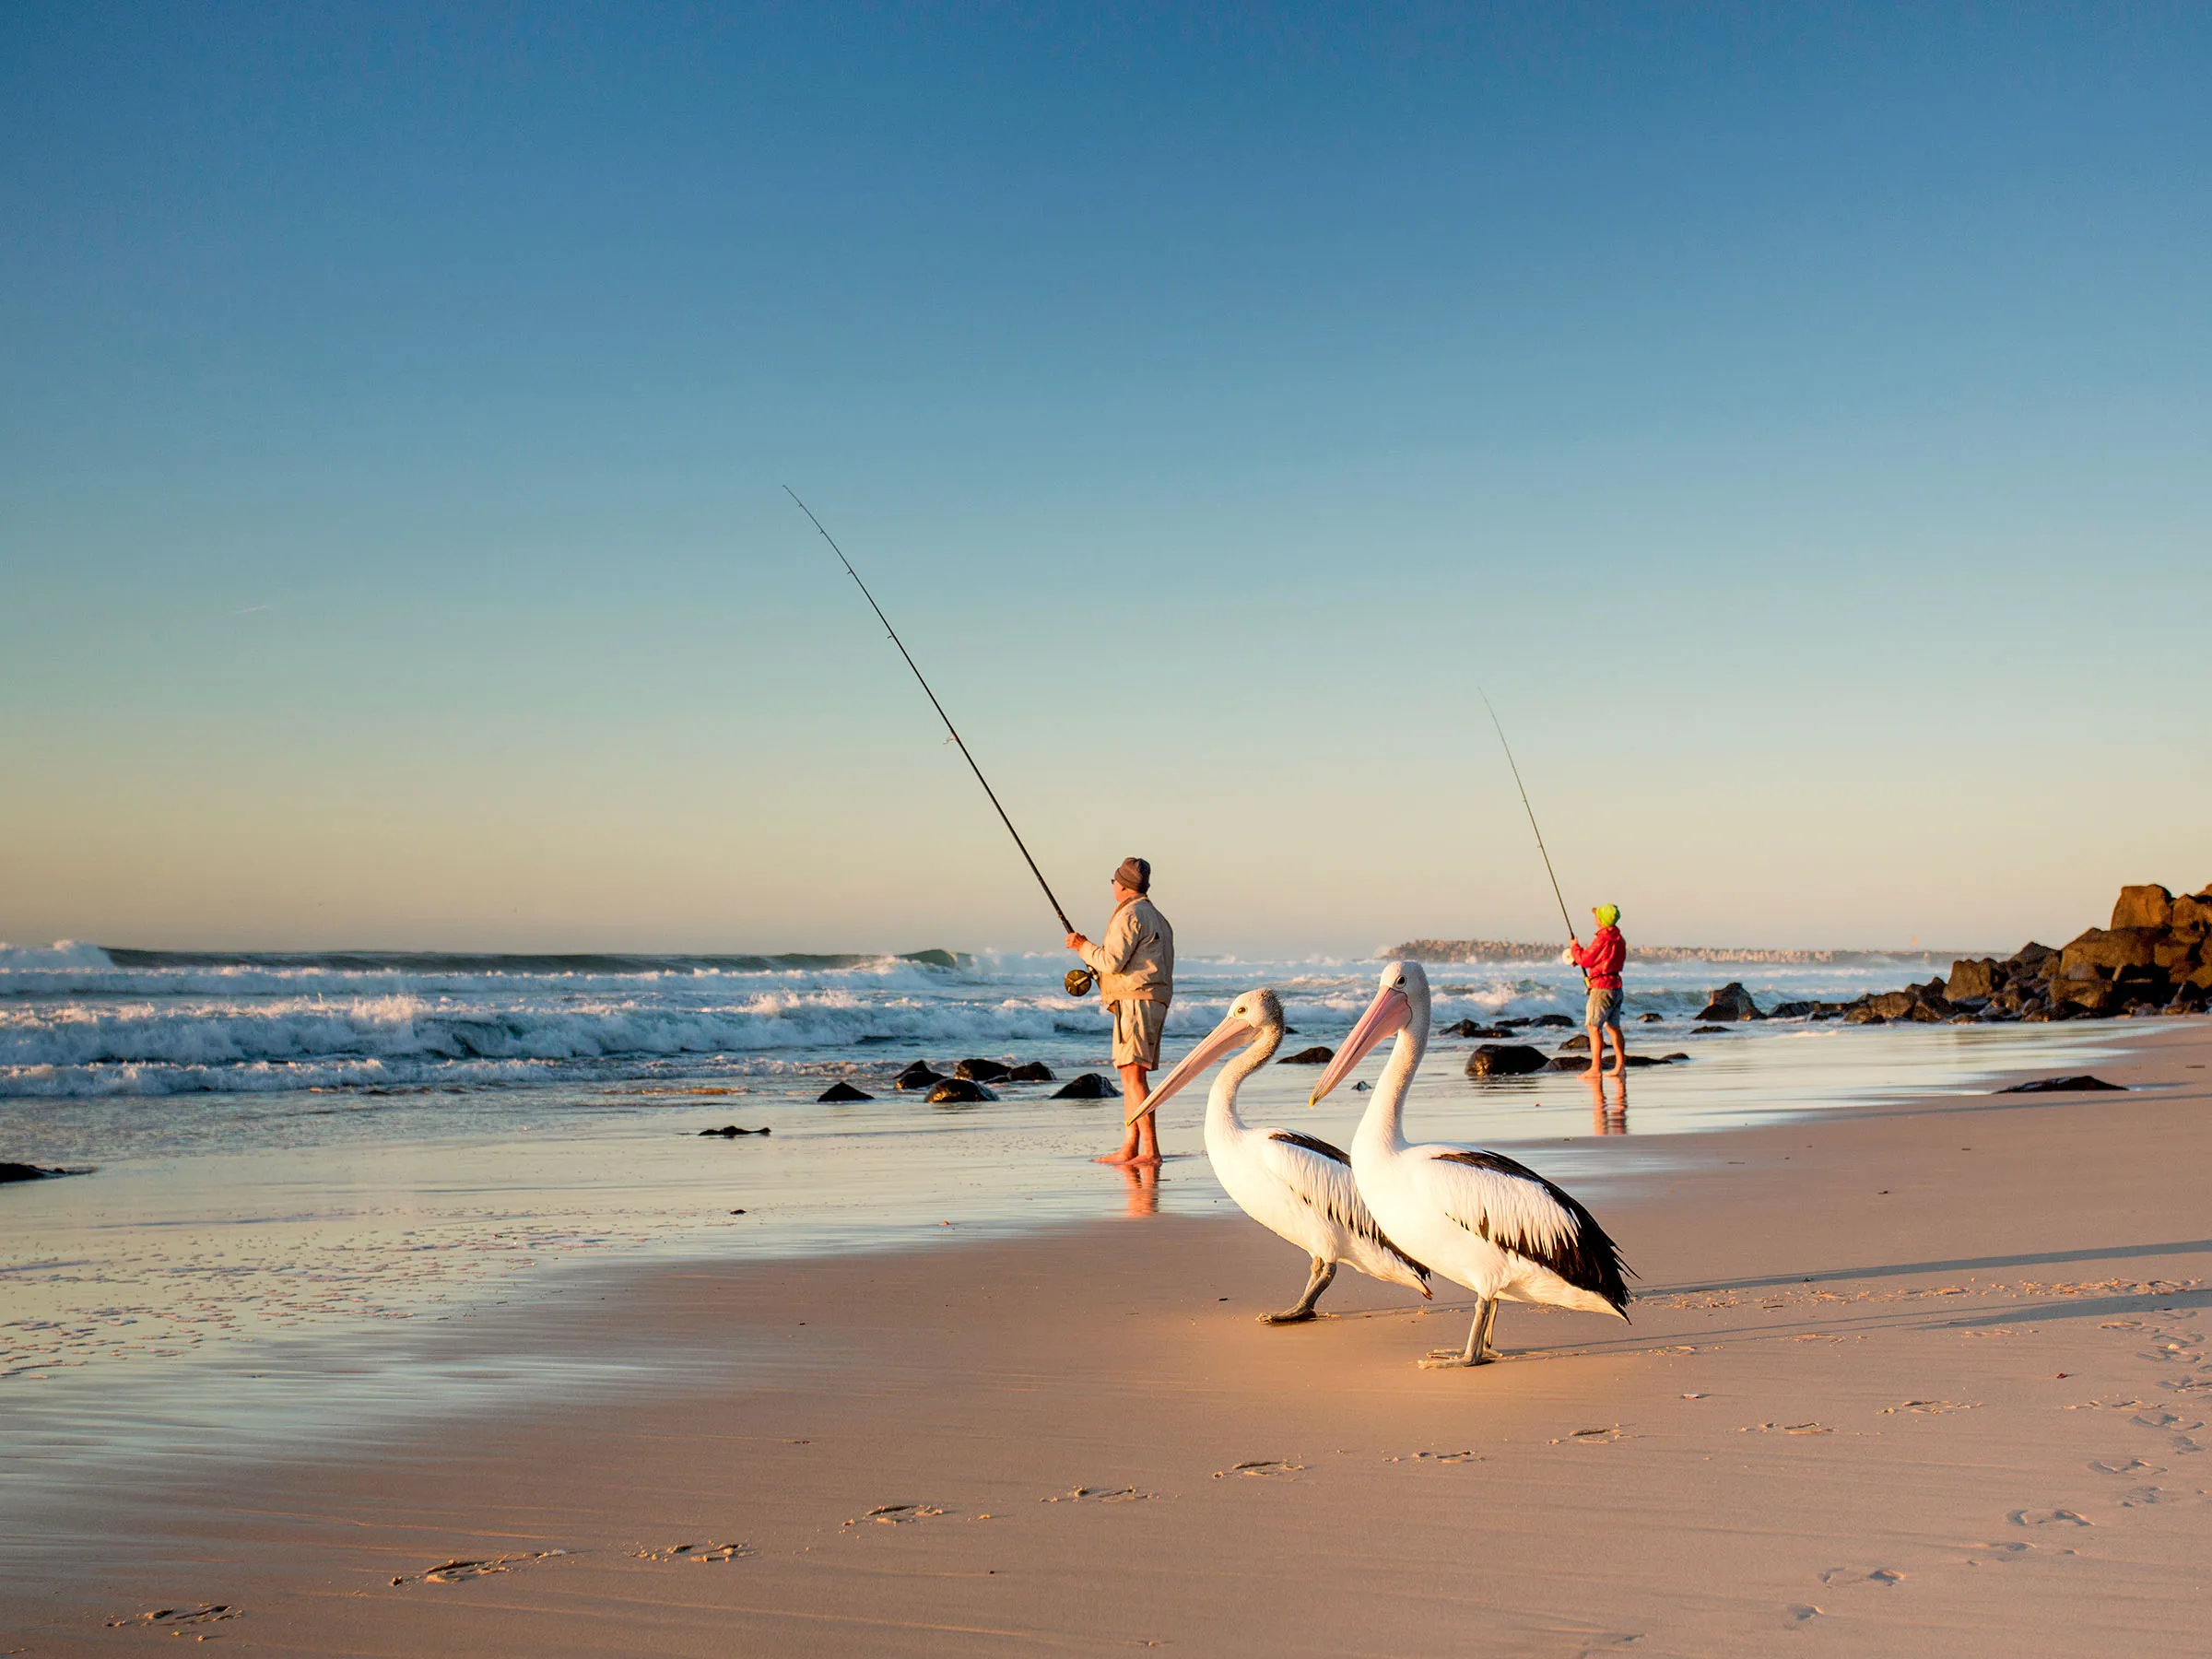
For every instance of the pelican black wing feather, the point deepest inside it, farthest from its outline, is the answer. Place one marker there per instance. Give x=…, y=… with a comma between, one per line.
x=1585, y=1256
x=1354, y=1215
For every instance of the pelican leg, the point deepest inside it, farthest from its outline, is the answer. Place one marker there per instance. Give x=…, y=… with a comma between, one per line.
x=1479, y=1350
x=1323, y=1272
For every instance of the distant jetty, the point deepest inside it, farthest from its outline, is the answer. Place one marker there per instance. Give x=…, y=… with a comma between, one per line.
x=1516, y=951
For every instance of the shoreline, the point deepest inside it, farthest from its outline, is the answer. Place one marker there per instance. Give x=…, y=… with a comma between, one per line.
x=991, y=1377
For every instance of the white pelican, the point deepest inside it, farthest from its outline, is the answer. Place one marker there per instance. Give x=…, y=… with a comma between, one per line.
x=1478, y=1218
x=1290, y=1184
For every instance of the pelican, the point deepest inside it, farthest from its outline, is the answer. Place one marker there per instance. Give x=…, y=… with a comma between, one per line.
x=1478, y=1218
x=1290, y=1184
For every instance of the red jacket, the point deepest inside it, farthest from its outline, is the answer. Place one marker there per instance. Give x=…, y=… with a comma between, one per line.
x=1600, y=959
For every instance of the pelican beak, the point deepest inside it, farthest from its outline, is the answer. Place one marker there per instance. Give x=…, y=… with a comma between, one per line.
x=1385, y=1017
x=1232, y=1033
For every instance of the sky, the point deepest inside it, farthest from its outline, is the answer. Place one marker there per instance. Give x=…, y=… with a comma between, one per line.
x=1794, y=418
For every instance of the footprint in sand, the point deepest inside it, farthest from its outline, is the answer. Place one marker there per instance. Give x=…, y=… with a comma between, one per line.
x=1804, y=1613
x=2001, y=1552
x=459, y=1572
x=2134, y=1465
x=1127, y=1494
x=2049, y=1517
x=1453, y=1457
x=897, y=1514
x=2142, y=1496
x=2166, y=1420
x=172, y=1618
x=1261, y=1468
x=1930, y=1407
x=1844, y=1577
x=1592, y=1437
x=708, y=1551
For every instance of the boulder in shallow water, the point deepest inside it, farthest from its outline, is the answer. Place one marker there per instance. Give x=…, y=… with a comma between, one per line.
x=1865, y=1014
x=731, y=1132
x=23, y=1171
x=1649, y=1019
x=1793, y=1010
x=1506, y=1060
x=1581, y=1040
x=841, y=1092
x=1675, y=1059
x=918, y=1075
x=1553, y=1020
x=1467, y=1027
x=1030, y=1071
x=979, y=1070
x=2081, y=1083
x=1730, y=1002
x=1974, y=978
x=1090, y=1086
x=958, y=1091
x=1707, y=1030
x=1317, y=1056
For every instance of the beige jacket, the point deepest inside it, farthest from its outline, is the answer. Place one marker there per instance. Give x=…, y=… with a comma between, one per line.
x=1135, y=961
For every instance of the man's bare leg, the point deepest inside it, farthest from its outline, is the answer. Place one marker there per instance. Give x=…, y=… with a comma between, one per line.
x=1140, y=1140
x=1621, y=1054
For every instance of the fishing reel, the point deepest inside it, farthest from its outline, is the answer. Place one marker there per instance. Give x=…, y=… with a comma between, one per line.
x=1079, y=982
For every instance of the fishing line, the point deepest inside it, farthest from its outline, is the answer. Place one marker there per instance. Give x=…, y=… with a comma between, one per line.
x=1078, y=981
x=1532, y=815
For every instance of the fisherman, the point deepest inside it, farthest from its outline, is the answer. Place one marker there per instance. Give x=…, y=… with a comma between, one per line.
x=1600, y=963
x=1135, y=966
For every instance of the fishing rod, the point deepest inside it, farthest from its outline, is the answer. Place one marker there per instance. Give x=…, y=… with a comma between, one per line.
x=1532, y=814
x=1078, y=981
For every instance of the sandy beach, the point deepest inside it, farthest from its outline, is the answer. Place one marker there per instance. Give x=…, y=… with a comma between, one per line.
x=1921, y=1377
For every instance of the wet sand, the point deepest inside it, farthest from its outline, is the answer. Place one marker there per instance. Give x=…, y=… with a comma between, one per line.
x=1909, y=1379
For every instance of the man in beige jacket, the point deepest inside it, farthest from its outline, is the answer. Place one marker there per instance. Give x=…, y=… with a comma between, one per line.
x=1135, y=966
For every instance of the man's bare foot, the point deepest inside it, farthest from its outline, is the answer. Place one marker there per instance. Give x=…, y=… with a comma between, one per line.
x=1619, y=1071
x=1117, y=1157
x=1151, y=1159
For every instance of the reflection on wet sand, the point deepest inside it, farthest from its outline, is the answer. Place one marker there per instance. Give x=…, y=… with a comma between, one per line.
x=1144, y=1188
x=1608, y=1106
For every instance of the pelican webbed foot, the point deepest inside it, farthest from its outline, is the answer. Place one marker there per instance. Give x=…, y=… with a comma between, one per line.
x=1319, y=1280
x=1479, y=1350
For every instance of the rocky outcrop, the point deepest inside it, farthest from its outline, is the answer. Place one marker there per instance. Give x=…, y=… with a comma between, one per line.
x=959, y=1091
x=2081, y=1083
x=979, y=1070
x=1649, y=1019
x=731, y=1132
x=1553, y=1020
x=1030, y=1071
x=1090, y=1086
x=23, y=1171
x=2155, y=957
x=1506, y=1060
x=841, y=1092
x=918, y=1075
x=1730, y=1002
x=1317, y=1056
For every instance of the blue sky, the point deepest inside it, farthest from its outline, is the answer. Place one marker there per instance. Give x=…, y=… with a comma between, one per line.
x=1797, y=418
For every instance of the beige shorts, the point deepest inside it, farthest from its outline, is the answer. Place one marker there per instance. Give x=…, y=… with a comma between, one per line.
x=1136, y=1027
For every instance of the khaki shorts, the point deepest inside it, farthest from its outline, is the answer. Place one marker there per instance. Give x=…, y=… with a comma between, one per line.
x=1136, y=1027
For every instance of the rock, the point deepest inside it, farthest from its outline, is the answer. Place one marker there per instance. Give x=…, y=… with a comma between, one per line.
x=1581, y=1040
x=1552, y=1022
x=1865, y=1014
x=1467, y=1027
x=1893, y=1005
x=1569, y=1063
x=1317, y=1056
x=2100, y=952
x=23, y=1171
x=1674, y=1059
x=1032, y=1071
x=1649, y=1019
x=1516, y=1023
x=2093, y=994
x=2030, y=957
x=1732, y=1002
x=918, y=1075
x=1707, y=1030
x=2191, y=917
x=2189, y=999
x=981, y=1071
x=2081, y=1083
x=1090, y=1086
x=1978, y=978
x=1505, y=1060
x=2143, y=907
x=1793, y=1010
x=841, y=1091
x=2171, y=953
x=959, y=1091
x=731, y=1131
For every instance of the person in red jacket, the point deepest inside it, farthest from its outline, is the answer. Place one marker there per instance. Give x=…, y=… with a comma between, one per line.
x=1600, y=963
